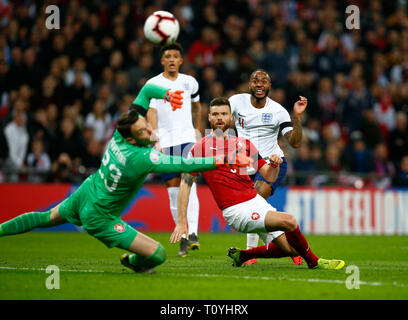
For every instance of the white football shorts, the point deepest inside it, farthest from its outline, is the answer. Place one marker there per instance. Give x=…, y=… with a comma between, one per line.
x=249, y=216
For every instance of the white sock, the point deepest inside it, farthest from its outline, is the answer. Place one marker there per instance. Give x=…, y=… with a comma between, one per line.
x=193, y=210
x=173, y=194
x=265, y=237
x=252, y=240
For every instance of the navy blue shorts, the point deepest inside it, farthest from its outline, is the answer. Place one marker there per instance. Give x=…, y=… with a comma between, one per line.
x=282, y=172
x=179, y=150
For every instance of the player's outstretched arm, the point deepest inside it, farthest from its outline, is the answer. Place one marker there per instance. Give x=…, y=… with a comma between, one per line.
x=163, y=163
x=181, y=228
x=271, y=171
x=294, y=136
x=150, y=91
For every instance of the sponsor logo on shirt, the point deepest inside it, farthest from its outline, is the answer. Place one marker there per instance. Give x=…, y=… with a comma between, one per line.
x=187, y=86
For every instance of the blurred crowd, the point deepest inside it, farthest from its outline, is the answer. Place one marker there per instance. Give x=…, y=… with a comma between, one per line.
x=61, y=90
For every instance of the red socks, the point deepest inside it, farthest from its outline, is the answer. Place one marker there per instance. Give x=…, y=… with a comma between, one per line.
x=270, y=251
x=297, y=240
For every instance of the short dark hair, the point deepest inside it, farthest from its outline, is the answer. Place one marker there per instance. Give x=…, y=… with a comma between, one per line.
x=220, y=101
x=173, y=46
x=125, y=121
x=260, y=70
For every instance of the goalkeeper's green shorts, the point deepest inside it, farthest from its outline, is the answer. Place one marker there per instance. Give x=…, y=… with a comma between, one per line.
x=79, y=210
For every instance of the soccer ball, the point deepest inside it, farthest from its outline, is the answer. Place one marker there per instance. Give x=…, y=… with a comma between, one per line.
x=161, y=28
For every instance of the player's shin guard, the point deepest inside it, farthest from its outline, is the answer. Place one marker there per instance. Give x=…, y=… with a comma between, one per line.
x=157, y=258
x=26, y=222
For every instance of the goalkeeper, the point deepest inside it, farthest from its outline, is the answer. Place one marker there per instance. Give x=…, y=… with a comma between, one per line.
x=101, y=198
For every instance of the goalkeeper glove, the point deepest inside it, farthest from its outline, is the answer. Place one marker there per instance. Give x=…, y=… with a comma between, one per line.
x=234, y=160
x=175, y=98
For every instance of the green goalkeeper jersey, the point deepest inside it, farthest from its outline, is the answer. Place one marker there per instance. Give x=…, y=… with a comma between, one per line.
x=124, y=169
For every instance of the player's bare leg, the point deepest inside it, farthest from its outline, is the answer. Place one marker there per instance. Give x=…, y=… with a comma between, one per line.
x=55, y=217
x=147, y=254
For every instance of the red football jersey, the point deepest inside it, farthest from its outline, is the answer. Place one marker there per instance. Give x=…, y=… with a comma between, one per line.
x=228, y=186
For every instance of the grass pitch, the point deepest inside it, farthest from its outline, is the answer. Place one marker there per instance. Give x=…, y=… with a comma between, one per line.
x=88, y=270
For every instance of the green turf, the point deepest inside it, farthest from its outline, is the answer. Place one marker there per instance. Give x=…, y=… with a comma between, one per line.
x=91, y=271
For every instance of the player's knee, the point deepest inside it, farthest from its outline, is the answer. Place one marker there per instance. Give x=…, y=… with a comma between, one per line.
x=290, y=222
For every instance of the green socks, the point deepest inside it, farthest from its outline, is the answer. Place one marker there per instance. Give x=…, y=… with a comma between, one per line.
x=26, y=222
x=157, y=258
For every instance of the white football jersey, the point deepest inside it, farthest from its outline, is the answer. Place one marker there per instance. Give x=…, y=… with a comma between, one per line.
x=260, y=126
x=175, y=127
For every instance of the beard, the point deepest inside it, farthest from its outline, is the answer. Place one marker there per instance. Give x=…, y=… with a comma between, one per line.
x=257, y=98
x=219, y=131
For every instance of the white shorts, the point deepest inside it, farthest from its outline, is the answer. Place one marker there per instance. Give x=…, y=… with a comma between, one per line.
x=249, y=216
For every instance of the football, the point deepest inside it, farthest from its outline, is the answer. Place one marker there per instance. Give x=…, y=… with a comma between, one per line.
x=161, y=28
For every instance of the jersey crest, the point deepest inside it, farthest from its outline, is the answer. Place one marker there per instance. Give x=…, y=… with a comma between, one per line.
x=267, y=118
x=120, y=228
x=255, y=216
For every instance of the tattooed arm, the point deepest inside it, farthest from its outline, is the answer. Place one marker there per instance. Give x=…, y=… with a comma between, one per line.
x=294, y=136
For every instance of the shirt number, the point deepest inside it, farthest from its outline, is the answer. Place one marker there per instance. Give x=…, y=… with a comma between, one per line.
x=114, y=173
x=241, y=122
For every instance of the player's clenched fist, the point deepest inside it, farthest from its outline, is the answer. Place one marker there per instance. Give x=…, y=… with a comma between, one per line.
x=175, y=98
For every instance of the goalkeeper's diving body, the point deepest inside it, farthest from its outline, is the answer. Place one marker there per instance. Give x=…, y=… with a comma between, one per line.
x=99, y=201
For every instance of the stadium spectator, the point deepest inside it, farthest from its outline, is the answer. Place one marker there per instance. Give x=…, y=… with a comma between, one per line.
x=91, y=158
x=17, y=139
x=358, y=100
x=276, y=61
x=69, y=140
x=38, y=160
x=332, y=159
x=361, y=160
x=385, y=114
x=370, y=129
x=327, y=101
x=398, y=139
x=401, y=177
x=142, y=72
x=99, y=120
x=202, y=51
x=383, y=167
x=303, y=164
x=79, y=67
